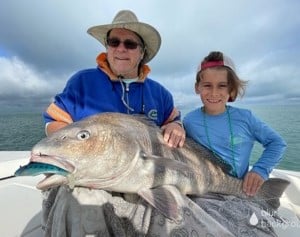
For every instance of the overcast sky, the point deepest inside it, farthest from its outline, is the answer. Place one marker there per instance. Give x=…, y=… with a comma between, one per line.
x=43, y=42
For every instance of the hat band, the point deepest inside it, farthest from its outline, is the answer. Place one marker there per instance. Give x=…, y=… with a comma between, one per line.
x=211, y=64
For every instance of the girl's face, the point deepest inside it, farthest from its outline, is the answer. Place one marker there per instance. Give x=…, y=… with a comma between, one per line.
x=213, y=90
x=123, y=60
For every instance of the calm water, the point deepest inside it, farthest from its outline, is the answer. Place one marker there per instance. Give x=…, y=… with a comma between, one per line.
x=20, y=131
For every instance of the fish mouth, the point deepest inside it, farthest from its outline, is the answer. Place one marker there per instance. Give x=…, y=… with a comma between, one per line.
x=52, y=180
x=53, y=160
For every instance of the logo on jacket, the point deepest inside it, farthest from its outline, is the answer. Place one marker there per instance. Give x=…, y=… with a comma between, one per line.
x=152, y=114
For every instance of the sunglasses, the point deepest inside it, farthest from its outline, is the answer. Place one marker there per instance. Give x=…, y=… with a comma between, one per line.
x=128, y=44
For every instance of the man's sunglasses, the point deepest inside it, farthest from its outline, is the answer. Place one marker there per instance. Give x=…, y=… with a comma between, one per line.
x=128, y=44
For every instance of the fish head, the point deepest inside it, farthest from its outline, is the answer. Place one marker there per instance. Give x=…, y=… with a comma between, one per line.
x=96, y=148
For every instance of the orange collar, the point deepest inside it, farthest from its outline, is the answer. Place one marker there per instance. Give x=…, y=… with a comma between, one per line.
x=103, y=64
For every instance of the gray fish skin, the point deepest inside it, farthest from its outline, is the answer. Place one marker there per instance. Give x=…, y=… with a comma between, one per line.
x=127, y=153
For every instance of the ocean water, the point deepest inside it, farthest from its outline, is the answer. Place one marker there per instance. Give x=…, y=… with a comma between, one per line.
x=21, y=130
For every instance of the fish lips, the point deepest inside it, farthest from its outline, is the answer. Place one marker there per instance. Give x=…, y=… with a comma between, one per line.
x=52, y=180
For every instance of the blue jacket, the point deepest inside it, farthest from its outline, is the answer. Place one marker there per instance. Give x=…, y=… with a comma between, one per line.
x=93, y=91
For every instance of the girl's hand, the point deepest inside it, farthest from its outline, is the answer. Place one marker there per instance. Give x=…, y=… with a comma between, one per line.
x=252, y=183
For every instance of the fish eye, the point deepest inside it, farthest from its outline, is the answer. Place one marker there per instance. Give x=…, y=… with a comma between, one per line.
x=83, y=135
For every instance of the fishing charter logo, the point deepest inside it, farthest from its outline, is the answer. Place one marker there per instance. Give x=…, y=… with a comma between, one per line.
x=268, y=219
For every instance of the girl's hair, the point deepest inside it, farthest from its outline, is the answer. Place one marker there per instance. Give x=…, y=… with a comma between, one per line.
x=236, y=86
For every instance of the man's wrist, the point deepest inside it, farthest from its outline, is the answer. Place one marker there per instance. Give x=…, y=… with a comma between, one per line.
x=178, y=122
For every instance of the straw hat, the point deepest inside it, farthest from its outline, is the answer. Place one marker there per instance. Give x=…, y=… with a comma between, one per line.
x=127, y=20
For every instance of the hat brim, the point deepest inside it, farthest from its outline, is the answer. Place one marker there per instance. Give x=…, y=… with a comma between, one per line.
x=148, y=33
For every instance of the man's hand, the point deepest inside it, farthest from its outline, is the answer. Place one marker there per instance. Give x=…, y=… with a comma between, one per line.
x=252, y=183
x=174, y=134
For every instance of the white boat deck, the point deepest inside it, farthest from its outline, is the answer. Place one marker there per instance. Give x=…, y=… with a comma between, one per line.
x=20, y=205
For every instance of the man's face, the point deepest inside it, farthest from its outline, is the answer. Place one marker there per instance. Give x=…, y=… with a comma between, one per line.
x=122, y=55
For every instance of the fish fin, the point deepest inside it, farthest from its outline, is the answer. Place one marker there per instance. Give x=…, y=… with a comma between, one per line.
x=164, y=199
x=272, y=190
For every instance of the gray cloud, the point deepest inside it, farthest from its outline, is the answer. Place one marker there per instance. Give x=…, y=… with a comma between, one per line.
x=43, y=42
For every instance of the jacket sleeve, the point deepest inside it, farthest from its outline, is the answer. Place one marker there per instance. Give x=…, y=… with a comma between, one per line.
x=273, y=144
x=63, y=107
x=172, y=113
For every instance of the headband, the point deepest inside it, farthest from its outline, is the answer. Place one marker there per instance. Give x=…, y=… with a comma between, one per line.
x=226, y=62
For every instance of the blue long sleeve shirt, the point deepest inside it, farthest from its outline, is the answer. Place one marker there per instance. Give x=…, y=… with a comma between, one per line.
x=214, y=133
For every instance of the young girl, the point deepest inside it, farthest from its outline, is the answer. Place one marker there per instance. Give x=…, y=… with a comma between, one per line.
x=230, y=132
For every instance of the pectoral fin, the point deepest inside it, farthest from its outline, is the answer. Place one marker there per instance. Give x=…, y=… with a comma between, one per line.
x=165, y=198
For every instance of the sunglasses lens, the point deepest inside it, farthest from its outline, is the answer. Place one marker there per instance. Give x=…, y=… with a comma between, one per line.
x=128, y=44
x=113, y=42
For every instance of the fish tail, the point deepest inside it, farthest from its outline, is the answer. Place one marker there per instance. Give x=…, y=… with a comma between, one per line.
x=271, y=191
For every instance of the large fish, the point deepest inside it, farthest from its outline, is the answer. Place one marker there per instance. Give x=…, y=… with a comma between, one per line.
x=127, y=153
